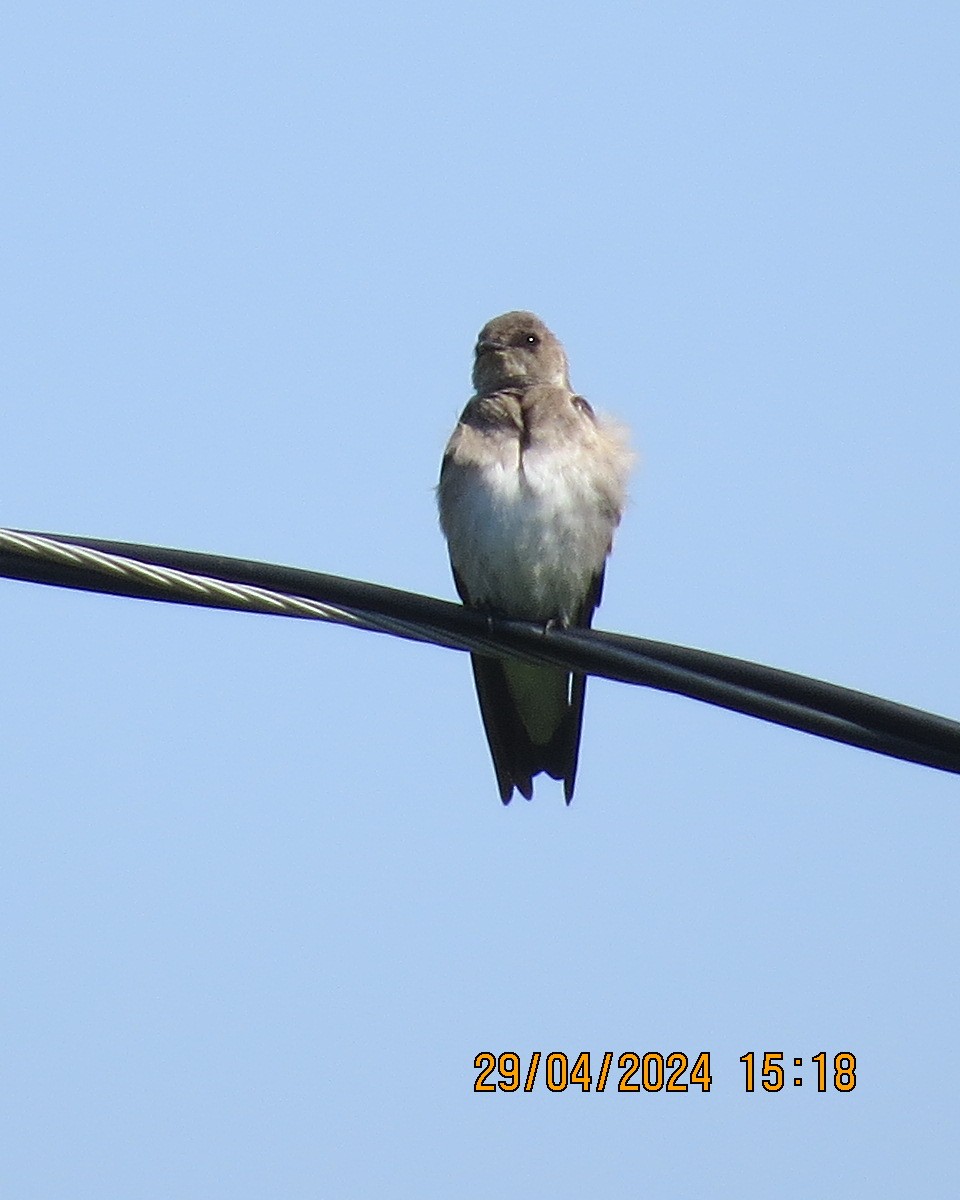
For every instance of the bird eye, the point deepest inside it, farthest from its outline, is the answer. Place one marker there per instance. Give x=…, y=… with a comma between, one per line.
x=532, y=340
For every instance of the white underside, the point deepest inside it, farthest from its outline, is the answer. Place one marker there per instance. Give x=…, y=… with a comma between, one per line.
x=537, y=536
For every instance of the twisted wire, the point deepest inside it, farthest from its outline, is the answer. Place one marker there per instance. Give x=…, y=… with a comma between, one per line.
x=781, y=697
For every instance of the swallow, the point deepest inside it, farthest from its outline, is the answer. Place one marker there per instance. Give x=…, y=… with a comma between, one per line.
x=532, y=488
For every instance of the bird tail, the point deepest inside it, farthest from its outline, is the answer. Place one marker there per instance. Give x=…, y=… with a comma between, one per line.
x=533, y=718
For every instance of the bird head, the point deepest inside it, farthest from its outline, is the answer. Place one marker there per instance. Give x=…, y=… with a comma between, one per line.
x=518, y=350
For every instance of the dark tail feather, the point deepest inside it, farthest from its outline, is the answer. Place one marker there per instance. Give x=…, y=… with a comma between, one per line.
x=571, y=730
x=516, y=757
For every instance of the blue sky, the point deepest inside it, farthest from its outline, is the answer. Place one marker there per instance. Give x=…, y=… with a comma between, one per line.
x=260, y=906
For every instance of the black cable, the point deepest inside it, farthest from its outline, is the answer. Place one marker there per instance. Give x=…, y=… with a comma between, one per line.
x=774, y=695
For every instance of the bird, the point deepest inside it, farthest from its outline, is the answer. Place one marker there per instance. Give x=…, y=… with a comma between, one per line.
x=532, y=487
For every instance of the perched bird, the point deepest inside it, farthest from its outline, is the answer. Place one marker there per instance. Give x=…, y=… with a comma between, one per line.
x=531, y=489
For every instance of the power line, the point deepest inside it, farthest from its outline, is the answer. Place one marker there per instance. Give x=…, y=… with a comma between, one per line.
x=188, y=577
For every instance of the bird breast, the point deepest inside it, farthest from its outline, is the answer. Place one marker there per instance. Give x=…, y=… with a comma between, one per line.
x=537, y=531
